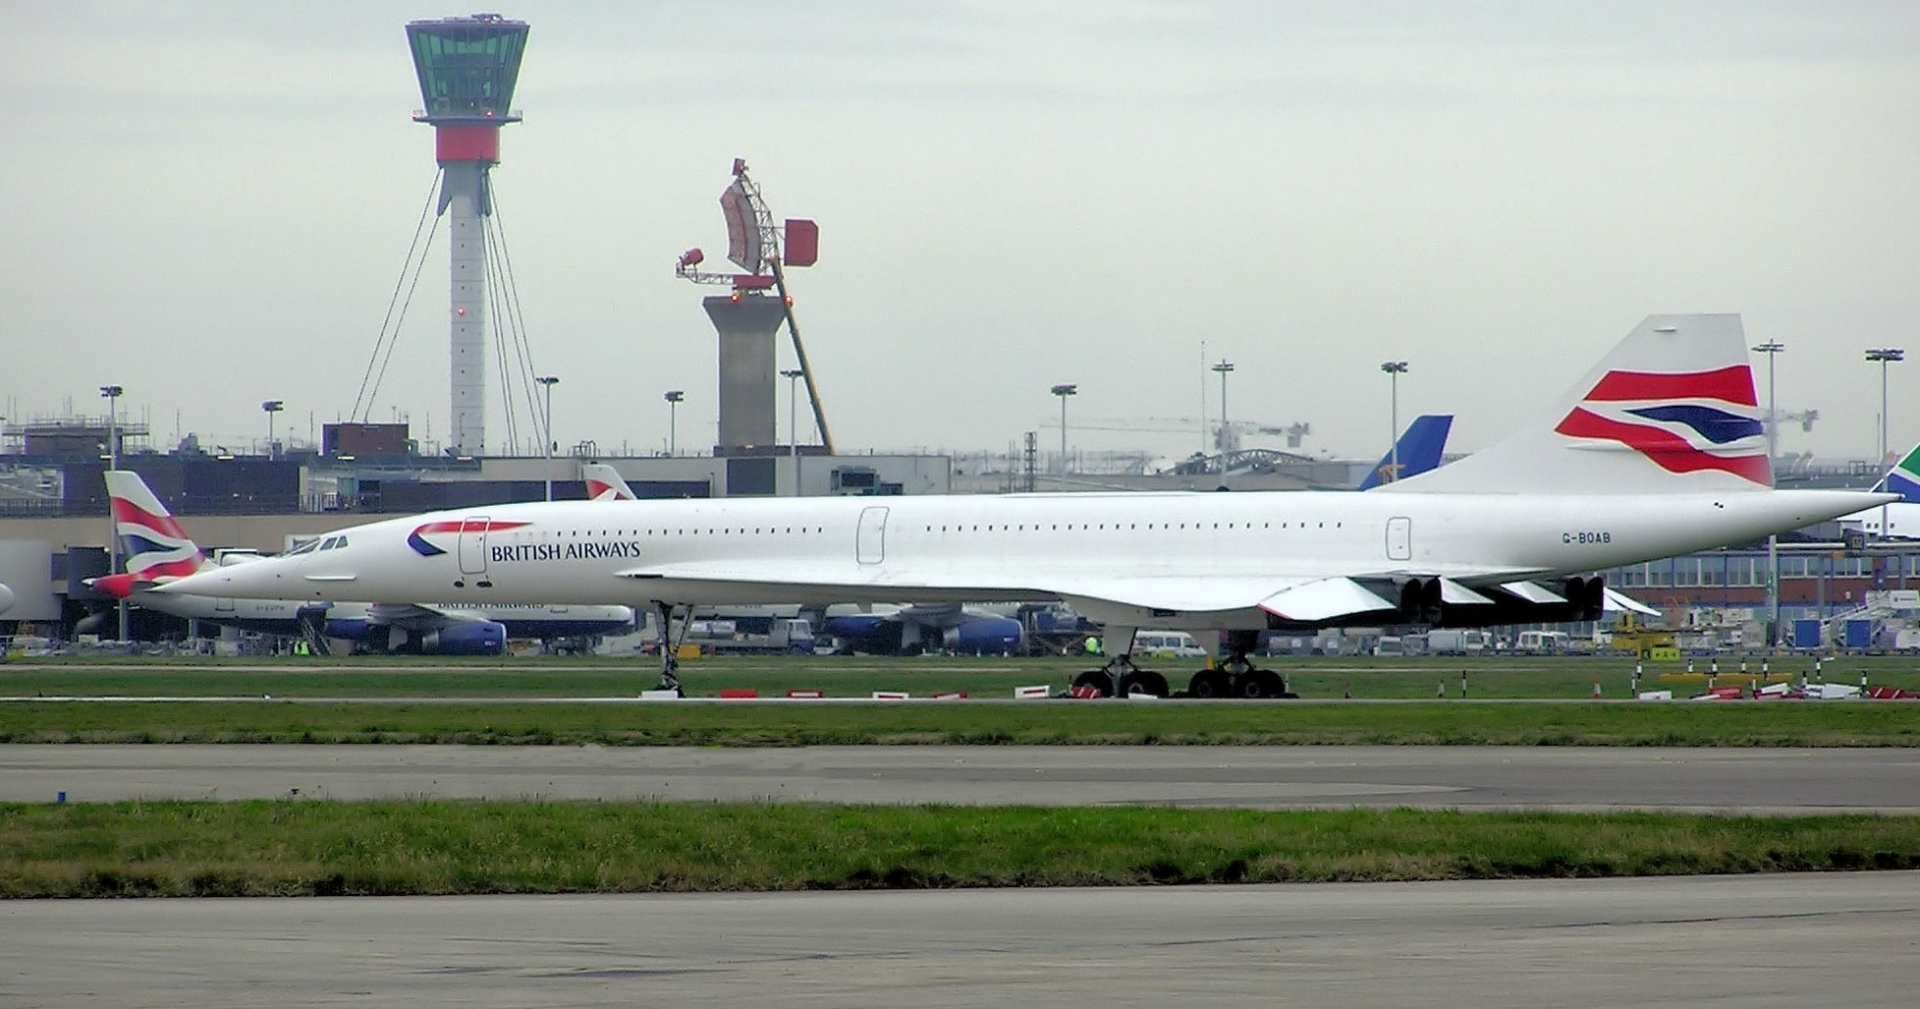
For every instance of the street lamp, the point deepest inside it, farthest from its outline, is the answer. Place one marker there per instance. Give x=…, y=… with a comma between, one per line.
x=1772, y=349
x=792, y=375
x=1063, y=391
x=112, y=394
x=1394, y=370
x=674, y=397
x=1884, y=356
x=549, y=381
x=1223, y=368
x=272, y=407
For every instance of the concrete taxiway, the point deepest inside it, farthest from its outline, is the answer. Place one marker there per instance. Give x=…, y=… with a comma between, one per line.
x=1729, y=942
x=1575, y=778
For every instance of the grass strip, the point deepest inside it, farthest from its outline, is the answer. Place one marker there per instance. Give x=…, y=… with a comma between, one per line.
x=266, y=848
x=1321, y=677
x=1864, y=723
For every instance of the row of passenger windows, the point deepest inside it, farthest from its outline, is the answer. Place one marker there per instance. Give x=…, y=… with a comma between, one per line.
x=990, y=527
x=1099, y=526
x=742, y=531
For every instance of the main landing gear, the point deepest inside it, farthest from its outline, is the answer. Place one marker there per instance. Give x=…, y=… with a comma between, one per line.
x=1120, y=678
x=1237, y=676
x=670, y=645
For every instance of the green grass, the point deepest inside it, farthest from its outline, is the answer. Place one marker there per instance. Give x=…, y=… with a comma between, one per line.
x=302, y=848
x=1862, y=723
x=388, y=676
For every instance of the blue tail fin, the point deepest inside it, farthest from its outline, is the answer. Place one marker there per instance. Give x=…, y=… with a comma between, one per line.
x=1419, y=449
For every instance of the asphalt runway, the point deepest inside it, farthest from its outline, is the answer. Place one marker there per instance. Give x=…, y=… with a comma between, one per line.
x=1831, y=940
x=1269, y=777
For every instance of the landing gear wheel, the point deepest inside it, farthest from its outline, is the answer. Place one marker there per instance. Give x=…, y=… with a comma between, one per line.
x=1260, y=683
x=1142, y=681
x=1098, y=680
x=1210, y=683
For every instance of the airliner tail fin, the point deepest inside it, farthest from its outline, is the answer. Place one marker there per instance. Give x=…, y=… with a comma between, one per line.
x=1670, y=410
x=153, y=542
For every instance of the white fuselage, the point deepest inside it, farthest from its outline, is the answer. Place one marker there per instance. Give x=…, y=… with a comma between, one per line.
x=1026, y=547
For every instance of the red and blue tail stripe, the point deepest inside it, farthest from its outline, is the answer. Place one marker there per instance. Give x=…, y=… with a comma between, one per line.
x=155, y=545
x=1684, y=422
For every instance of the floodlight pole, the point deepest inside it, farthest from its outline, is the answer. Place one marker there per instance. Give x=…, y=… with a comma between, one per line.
x=1394, y=370
x=1884, y=356
x=271, y=407
x=1224, y=368
x=792, y=376
x=1063, y=391
x=112, y=394
x=674, y=398
x=549, y=381
x=1772, y=349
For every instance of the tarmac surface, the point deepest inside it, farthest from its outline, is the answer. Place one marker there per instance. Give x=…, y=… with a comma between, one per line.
x=1831, y=940
x=1269, y=777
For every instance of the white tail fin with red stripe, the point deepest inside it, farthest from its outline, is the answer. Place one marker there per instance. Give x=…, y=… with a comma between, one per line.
x=604, y=483
x=155, y=546
x=1670, y=410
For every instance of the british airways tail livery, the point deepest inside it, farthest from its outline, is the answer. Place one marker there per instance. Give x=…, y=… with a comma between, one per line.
x=159, y=551
x=1655, y=453
x=604, y=483
x=1417, y=451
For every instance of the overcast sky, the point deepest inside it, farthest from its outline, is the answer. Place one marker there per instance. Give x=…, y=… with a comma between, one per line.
x=209, y=203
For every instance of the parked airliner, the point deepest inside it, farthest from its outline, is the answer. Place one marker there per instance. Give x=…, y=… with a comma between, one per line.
x=1658, y=451
x=1901, y=519
x=158, y=549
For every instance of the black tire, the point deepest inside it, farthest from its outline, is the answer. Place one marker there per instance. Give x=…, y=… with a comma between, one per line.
x=1210, y=683
x=1098, y=679
x=1263, y=683
x=1142, y=681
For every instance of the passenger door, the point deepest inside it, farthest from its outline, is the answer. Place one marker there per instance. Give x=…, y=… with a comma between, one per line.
x=1399, y=539
x=473, y=545
x=872, y=538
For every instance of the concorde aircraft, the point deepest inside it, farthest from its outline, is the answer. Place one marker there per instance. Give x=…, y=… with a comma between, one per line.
x=1658, y=451
x=158, y=549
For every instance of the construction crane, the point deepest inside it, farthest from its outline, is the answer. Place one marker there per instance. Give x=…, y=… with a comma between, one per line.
x=1226, y=437
x=755, y=244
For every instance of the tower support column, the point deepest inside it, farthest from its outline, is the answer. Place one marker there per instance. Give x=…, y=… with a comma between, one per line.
x=463, y=199
x=747, y=326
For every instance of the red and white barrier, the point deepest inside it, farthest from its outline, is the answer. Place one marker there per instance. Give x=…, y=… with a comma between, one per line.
x=890, y=695
x=1039, y=693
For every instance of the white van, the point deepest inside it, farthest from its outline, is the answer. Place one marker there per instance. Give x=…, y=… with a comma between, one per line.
x=1167, y=645
x=1541, y=642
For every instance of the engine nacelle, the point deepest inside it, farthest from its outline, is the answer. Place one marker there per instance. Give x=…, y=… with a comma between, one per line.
x=483, y=637
x=985, y=636
x=1420, y=601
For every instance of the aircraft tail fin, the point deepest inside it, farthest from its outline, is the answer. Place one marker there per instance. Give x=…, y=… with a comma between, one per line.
x=153, y=542
x=1671, y=410
x=1904, y=478
x=1419, y=450
x=604, y=483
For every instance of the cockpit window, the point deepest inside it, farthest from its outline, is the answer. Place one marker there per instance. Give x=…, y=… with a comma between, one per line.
x=304, y=548
x=328, y=545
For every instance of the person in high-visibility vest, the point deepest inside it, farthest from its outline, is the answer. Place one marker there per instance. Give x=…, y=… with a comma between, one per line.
x=1093, y=645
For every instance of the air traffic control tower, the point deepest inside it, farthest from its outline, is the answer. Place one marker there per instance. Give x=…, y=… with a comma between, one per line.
x=467, y=68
